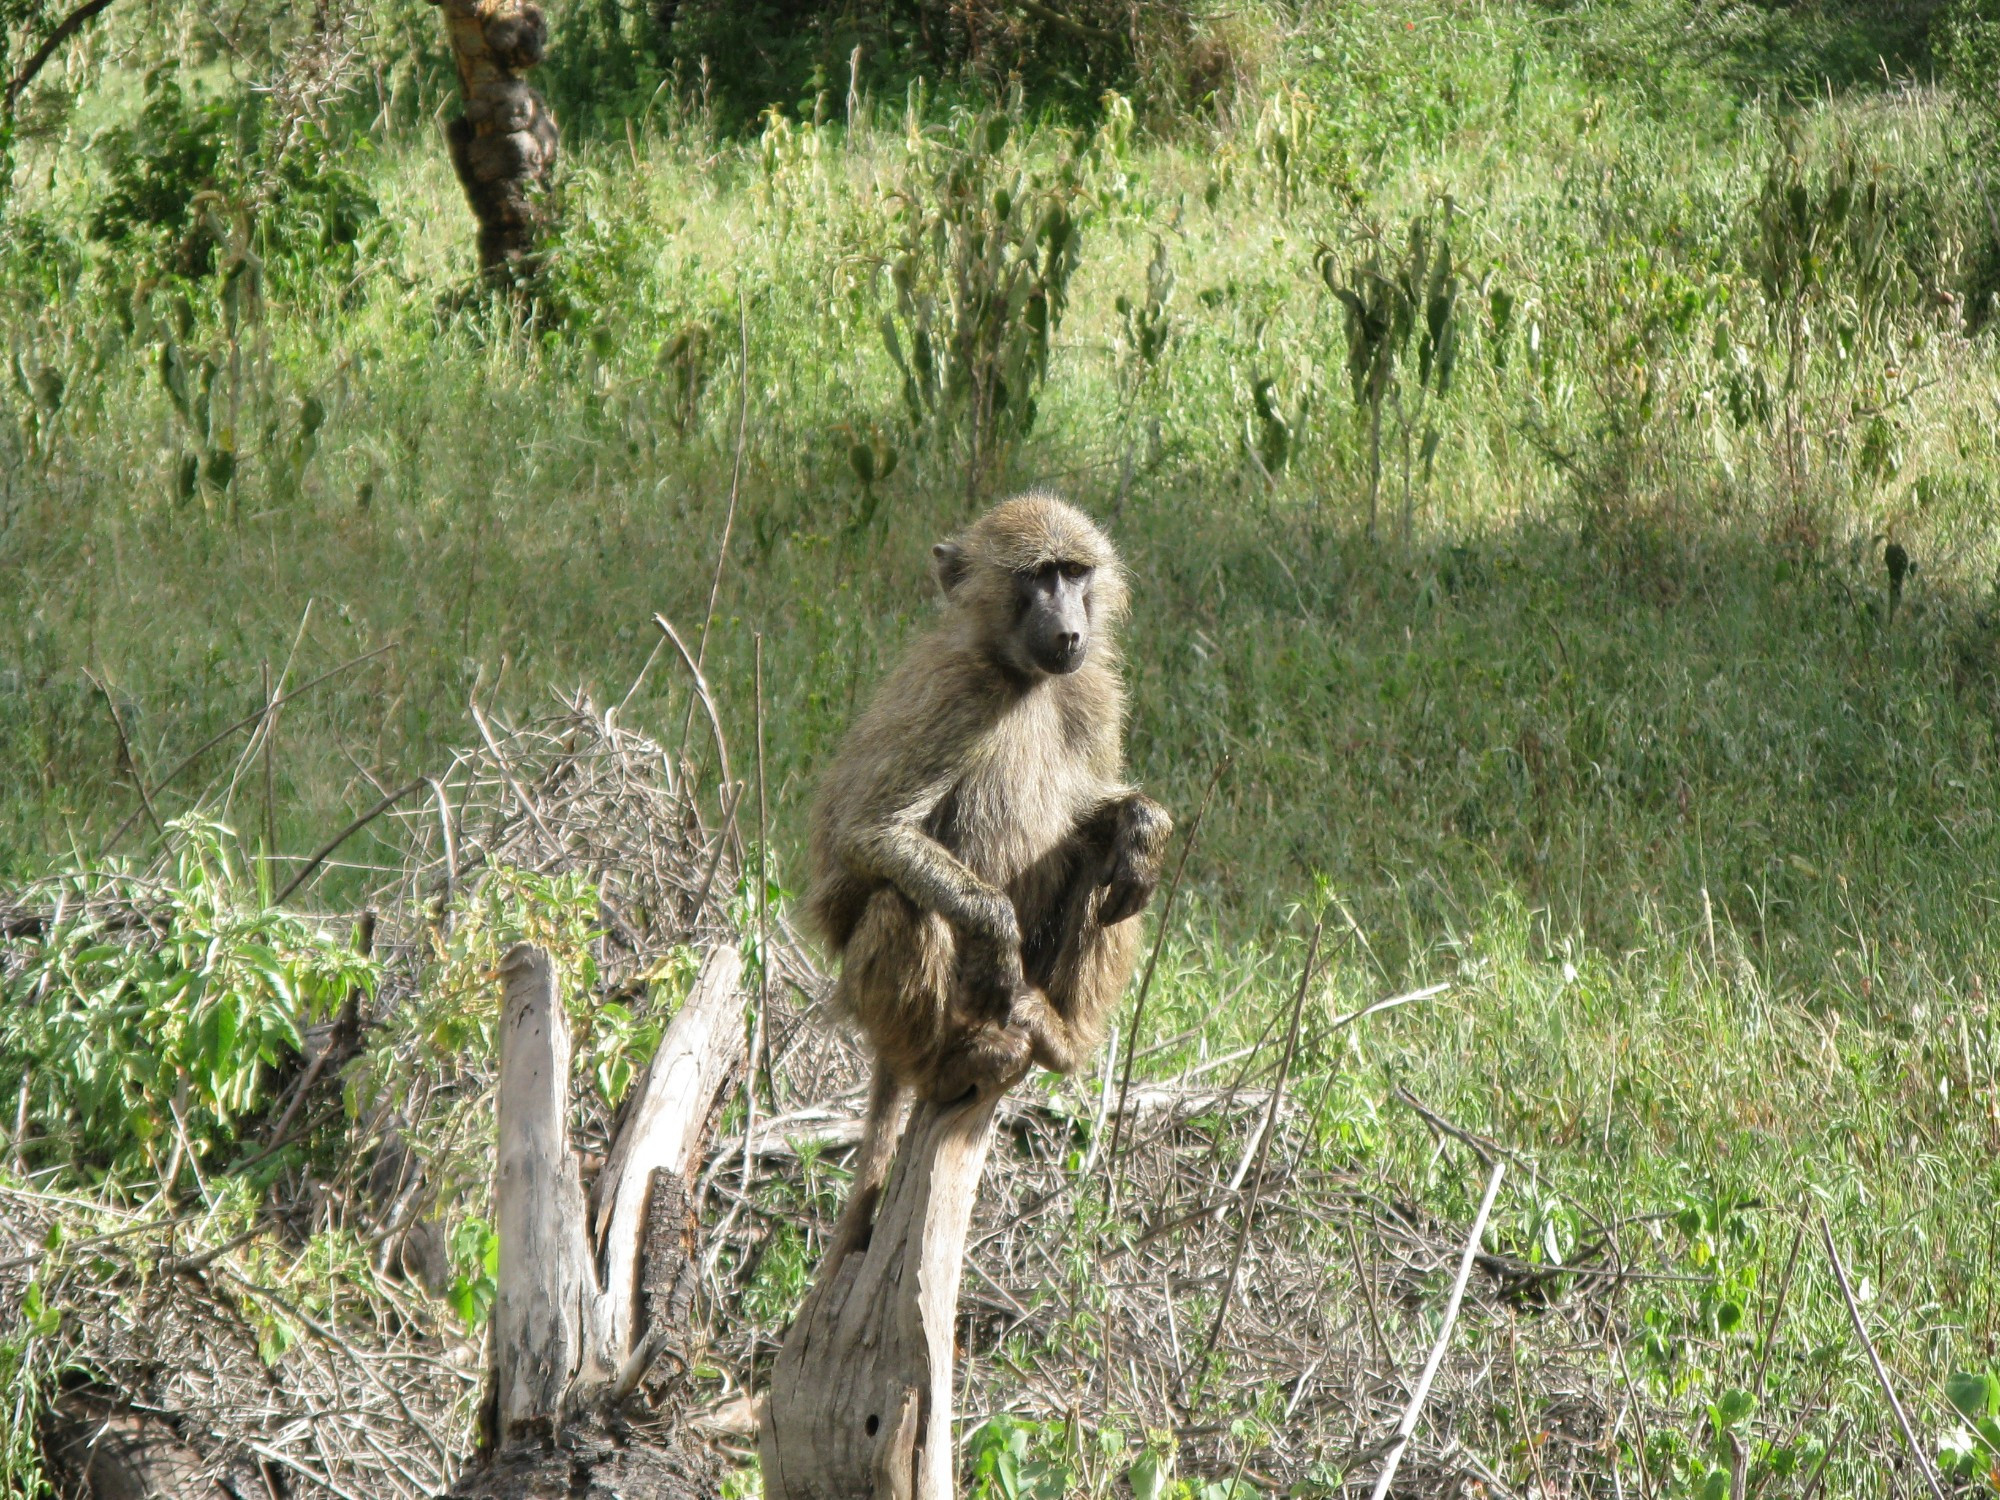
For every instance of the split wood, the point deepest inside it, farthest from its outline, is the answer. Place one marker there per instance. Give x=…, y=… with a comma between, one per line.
x=566, y=1303
x=861, y=1394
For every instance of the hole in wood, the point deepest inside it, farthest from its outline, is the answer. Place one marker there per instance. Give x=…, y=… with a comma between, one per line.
x=873, y=1424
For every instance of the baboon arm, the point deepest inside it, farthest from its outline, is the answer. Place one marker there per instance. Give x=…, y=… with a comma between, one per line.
x=932, y=877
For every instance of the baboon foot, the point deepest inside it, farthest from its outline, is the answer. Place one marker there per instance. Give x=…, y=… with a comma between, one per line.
x=986, y=1057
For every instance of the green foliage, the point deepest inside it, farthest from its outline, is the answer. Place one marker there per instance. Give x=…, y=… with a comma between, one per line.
x=174, y=175
x=987, y=248
x=1387, y=304
x=24, y=1378
x=138, y=1057
x=1968, y=42
x=1148, y=322
x=201, y=182
x=475, y=1270
x=1971, y=1453
x=1013, y=1459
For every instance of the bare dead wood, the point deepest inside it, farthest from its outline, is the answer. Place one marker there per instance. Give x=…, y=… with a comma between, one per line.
x=538, y=1333
x=238, y=726
x=131, y=760
x=1264, y=1133
x=568, y=1337
x=325, y=851
x=1408, y=1425
x=702, y=1049
x=860, y=1401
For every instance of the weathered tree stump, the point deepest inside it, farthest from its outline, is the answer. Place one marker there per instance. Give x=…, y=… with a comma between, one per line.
x=861, y=1400
x=569, y=1343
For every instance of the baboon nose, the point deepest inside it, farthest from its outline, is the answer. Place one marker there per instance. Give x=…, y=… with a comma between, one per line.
x=1068, y=642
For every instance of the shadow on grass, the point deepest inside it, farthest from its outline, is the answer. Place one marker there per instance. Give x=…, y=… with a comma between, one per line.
x=1790, y=51
x=1635, y=729
x=1632, y=728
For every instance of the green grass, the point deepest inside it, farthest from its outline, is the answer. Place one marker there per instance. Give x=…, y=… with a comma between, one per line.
x=1619, y=740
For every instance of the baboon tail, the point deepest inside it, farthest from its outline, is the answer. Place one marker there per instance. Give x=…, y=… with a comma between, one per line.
x=881, y=1130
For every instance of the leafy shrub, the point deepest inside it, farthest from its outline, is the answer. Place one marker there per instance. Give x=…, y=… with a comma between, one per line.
x=199, y=182
x=171, y=170
x=1386, y=304
x=981, y=276
x=140, y=1055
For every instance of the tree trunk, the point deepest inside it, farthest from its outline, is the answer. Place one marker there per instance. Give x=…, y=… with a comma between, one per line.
x=504, y=143
x=588, y=1297
x=861, y=1400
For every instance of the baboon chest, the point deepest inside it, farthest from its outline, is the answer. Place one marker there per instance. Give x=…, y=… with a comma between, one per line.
x=1022, y=790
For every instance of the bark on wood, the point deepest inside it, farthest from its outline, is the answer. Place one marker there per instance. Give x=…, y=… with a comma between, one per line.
x=504, y=143
x=589, y=1295
x=861, y=1400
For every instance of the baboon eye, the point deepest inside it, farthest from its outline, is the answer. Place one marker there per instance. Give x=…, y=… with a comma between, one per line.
x=1075, y=569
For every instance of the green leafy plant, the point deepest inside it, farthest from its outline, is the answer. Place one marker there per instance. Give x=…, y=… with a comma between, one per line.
x=1971, y=1452
x=981, y=272
x=1388, y=303
x=139, y=1054
x=1820, y=257
x=1013, y=1459
x=1148, y=322
x=1284, y=126
x=475, y=1268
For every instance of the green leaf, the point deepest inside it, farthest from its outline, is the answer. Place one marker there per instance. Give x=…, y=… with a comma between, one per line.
x=1148, y=1477
x=1733, y=1406
x=1973, y=1394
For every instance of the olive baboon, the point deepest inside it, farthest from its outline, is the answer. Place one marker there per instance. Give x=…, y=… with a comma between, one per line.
x=976, y=855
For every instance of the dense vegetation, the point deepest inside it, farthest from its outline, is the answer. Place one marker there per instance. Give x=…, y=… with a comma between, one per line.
x=1509, y=411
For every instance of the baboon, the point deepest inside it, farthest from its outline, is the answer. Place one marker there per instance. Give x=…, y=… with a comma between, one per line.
x=976, y=855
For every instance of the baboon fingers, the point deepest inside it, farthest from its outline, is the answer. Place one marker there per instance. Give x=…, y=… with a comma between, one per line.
x=1124, y=898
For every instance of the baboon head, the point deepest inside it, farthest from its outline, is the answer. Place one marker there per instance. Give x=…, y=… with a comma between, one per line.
x=1037, y=581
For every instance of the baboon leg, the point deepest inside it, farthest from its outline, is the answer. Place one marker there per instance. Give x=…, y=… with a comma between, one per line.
x=1079, y=978
x=900, y=980
x=881, y=1131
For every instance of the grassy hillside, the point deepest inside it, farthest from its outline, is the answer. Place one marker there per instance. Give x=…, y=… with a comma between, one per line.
x=1612, y=723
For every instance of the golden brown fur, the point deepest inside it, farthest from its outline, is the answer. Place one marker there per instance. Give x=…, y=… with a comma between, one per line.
x=974, y=826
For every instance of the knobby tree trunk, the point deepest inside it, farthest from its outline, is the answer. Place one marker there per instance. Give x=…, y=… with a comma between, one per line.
x=590, y=1294
x=504, y=144
x=860, y=1403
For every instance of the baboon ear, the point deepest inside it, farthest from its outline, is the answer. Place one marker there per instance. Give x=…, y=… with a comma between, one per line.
x=950, y=563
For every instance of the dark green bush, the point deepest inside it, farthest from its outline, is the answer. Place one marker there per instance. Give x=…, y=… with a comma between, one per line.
x=197, y=182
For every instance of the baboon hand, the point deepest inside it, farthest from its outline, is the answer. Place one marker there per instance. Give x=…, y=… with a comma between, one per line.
x=1137, y=857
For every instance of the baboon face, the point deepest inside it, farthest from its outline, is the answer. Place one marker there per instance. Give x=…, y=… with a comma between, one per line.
x=1052, y=611
x=1041, y=583
x=1046, y=611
